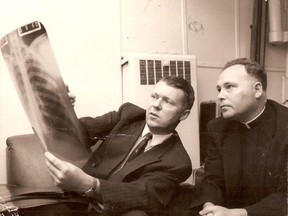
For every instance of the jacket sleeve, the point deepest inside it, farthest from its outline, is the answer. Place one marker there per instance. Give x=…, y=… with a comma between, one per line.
x=101, y=126
x=212, y=184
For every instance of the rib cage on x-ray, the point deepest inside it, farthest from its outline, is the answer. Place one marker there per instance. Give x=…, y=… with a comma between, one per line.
x=34, y=70
x=47, y=96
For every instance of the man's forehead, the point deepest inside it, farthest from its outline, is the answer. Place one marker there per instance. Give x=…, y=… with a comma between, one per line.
x=163, y=89
x=232, y=74
x=234, y=69
x=161, y=84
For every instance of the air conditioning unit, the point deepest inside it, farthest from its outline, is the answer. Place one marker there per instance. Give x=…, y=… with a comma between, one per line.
x=141, y=71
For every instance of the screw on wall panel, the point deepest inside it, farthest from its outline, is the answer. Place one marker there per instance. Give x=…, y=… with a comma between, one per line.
x=195, y=26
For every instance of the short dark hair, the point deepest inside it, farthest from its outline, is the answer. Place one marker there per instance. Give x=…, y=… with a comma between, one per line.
x=180, y=83
x=252, y=68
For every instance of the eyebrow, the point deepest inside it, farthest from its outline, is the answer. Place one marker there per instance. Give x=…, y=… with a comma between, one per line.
x=165, y=98
x=228, y=82
x=225, y=84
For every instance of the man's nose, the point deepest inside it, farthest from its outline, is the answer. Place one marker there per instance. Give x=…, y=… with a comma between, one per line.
x=157, y=103
x=221, y=95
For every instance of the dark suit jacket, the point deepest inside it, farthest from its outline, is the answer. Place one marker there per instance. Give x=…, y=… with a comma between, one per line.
x=149, y=181
x=223, y=165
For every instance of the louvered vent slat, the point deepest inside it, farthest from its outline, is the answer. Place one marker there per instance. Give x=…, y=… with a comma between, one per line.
x=151, y=71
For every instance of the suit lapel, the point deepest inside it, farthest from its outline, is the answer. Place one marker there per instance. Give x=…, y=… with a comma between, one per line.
x=119, y=145
x=146, y=158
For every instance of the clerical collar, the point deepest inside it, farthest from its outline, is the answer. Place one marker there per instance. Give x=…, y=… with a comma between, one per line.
x=252, y=120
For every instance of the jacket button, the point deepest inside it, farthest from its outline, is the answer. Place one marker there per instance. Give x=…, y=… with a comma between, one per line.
x=93, y=165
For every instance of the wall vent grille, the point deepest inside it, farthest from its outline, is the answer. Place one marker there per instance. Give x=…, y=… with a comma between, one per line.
x=151, y=71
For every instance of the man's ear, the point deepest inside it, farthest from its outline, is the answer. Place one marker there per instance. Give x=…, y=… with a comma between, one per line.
x=258, y=89
x=185, y=114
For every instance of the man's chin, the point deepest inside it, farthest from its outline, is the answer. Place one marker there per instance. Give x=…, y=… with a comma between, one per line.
x=152, y=124
x=227, y=116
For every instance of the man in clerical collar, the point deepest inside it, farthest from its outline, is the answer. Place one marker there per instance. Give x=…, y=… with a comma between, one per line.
x=246, y=164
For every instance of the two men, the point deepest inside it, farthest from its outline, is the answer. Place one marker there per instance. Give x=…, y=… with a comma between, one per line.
x=246, y=163
x=147, y=183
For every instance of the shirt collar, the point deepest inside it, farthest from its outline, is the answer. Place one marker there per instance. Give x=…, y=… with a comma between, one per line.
x=252, y=120
x=156, y=139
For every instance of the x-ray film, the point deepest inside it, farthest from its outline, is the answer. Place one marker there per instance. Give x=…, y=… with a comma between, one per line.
x=43, y=94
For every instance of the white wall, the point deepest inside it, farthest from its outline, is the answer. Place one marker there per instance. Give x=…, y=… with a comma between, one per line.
x=85, y=37
x=219, y=31
x=151, y=26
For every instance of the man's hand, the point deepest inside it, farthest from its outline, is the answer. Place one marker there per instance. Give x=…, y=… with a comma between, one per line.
x=71, y=96
x=67, y=176
x=207, y=204
x=213, y=210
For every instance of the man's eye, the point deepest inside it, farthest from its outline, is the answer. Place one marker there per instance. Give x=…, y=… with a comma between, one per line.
x=168, y=102
x=153, y=96
x=229, y=86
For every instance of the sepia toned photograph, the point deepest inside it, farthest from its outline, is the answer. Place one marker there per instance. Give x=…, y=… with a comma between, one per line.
x=144, y=108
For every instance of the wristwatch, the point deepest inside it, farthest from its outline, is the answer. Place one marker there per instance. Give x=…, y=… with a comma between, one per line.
x=91, y=193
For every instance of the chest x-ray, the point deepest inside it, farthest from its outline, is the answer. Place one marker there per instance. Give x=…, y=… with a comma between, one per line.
x=43, y=94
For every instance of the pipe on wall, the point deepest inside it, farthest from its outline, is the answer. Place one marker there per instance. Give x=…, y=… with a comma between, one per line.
x=237, y=28
x=276, y=32
x=278, y=35
x=285, y=82
x=287, y=61
x=184, y=27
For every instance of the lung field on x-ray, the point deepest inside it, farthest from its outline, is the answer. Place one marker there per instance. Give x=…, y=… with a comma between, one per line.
x=47, y=96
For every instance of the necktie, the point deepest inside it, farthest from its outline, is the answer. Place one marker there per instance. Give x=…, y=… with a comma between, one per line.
x=140, y=147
